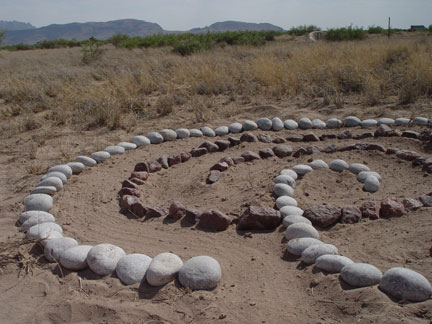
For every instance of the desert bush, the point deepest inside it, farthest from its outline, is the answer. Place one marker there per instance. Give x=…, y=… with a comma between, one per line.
x=345, y=33
x=2, y=35
x=303, y=30
x=91, y=51
x=375, y=30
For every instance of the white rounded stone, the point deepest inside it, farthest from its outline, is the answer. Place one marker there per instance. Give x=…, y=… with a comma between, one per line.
x=54, y=247
x=361, y=275
x=41, y=231
x=155, y=138
x=195, y=132
x=352, y=121
x=362, y=176
x=102, y=258
x=37, y=219
x=283, y=201
x=313, y=252
x=132, y=268
x=277, y=124
x=55, y=174
x=386, y=121
x=87, y=161
x=289, y=172
x=222, y=130
x=264, y=124
x=168, y=134
x=356, y=168
x=140, y=140
x=371, y=184
x=318, y=124
x=249, y=125
x=51, y=182
x=163, y=269
x=183, y=133
x=338, y=165
x=77, y=167
x=290, y=124
x=290, y=210
x=115, y=149
x=235, y=128
x=34, y=213
x=293, y=219
x=52, y=235
x=207, y=131
x=332, y=263
x=38, y=202
x=368, y=123
x=302, y=169
x=299, y=230
x=100, y=156
x=305, y=123
x=47, y=190
x=420, y=121
x=128, y=146
x=318, y=164
x=334, y=123
x=65, y=169
x=282, y=189
x=75, y=258
x=402, y=121
x=406, y=284
x=298, y=245
x=200, y=273
x=286, y=179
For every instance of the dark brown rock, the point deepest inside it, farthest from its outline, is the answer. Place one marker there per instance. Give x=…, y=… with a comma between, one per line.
x=211, y=147
x=391, y=208
x=407, y=155
x=191, y=218
x=163, y=161
x=278, y=140
x=140, y=175
x=425, y=135
x=412, y=204
x=141, y=167
x=420, y=161
x=250, y=156
x=133, y=205
x=324, y=137
x=248, y=137
x=294, y=138
x=214, y=220
x=129, y=192
x=264, y=138
x=363, y=135
x=223, y=144
x=372, y=147
x=259, y=218
x=351, y=215
x=370, y=209
x=129, y=184
x=329, y=149
x=312, y=150
x=154, y=166
x=350, y=147
x=176, y=210
x=266, y=153
x=301, y=151
x=322, y=215
x=234, y=141
x=383, y=130
x=220, y=166
x=391, y=151
x=213, y=176
x=310, y=137
x=426, y=200
x=196, y=152
x=173, y=160
x=346, y=134
x=155, y=212
x=137, y=181
x=228, y=160
x=185, y=157
x=282, y=150
x=410, y=134
x=239, y=159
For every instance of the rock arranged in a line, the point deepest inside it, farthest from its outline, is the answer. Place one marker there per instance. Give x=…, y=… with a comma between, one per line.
x=104, y=258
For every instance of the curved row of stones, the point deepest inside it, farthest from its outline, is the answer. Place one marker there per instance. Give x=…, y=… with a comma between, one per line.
x=201, y=272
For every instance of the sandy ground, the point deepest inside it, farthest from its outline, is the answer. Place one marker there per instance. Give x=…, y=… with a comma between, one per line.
x=261, y=283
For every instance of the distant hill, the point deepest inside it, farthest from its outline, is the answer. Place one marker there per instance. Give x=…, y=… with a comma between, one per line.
x=15, y=25
x=104, y=30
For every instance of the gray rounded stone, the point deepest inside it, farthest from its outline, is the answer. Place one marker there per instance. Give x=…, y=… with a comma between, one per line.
x=183, y=133
x=318, y=124
x=277, y=124
x=195, y=133
x=51, y=182
x=87, y=161
x=38, y=202
x=334, y=123
x=282, y=189
x=47, y=190
x=291, y=210
x=168, y=135
x=41, y=231
x=310, y=254
x=284, y=201
x=299, y=230
x=75, y=258
x=406, y=284
x=302, y=169
x=37, y=219
x=59, y=175
x=289, y=172
x=352, y=121
x=102, y=258
x=115, y=149
x=369, y=123
x=318, y=164
x=371, y=184
x=386, y=121
x=293, y=219
x=420, y=121
x=53, y=248
x=163, y=269
x=338, y=165
x=305, y=123
x=356, y=168
x=207, y=131
x=65, y=169
x=298, y=245
x=34, y=213
x=200, y=273
x=361, y=275
x=132, y=268
x=77, y=167
x=402, y=121
x=100, y=156
x=290, y=124
x=235, y=128
x=249, y=125
x=264, y=124
x=140, y=140
x=222, y=130
x=286, y=179
x=155, y=138
x=362, y=176
x=332, y=263
x=128, y=146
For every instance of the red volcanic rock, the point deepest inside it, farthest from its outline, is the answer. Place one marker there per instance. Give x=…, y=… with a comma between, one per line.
x=214, y=220
x=322, y=215
x=294, y=138
x=410, y=134
x=351, y=215
x=129, y=192
x=196, y=152
x=213, y=176
x=426, y=200
x=228, y=160
x=383, y=130
x=191, y=217
x=329, y=149
x=266, y=153
x=301, y=151
x=133, y=205
x=310, y=137
x=279, y=140
x=239, y=159
x=370, y=209
x=211, y=147
x=222, y=144
x=129, y=184
x=173, y=160
x=250, y=156
x=140, y=175
x=363, y=135
x=324, y=137
x=234, y=141
x=154, y=166
x=282, y=150
x=177, y=210
x=407, y=155
x=185, y=157
x=221, y=166
x=391, y=208
x=346, y=134
x=259, y=218
x=248, y=137
x=140, y=167
x=391, y=151
x=163, y=161
x=372, y=147
x=313, y=149
x=154, y=212
x=137, y=181
x=412, y=204
x=264, y=138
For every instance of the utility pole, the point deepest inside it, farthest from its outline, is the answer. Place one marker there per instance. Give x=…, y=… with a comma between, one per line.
x=388, y=29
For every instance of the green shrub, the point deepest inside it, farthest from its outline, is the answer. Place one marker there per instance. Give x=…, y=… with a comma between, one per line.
x=345, y=33
x=91, y=50
x=303, y=30
x=2, y=35
x=376, y=30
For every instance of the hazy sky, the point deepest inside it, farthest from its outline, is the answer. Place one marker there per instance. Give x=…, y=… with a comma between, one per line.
x=186, y=14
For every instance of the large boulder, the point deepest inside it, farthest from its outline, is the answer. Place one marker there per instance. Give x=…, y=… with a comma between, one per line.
x=200, y=273
x=214, y=220
x=322, y=215
x=163, y=269
x=259, y=218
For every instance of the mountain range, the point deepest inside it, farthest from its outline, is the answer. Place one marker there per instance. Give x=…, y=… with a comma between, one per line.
x=17, y=32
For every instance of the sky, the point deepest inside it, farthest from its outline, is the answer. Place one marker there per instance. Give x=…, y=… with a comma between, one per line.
x=187, y=14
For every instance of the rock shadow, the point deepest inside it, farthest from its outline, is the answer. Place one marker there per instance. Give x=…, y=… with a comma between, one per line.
x=146, y=291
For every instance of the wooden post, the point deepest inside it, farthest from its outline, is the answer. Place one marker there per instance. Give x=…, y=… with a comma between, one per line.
x=388, y=29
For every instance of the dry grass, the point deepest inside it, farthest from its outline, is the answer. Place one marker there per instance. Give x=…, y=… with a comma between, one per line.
x=53, y=87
